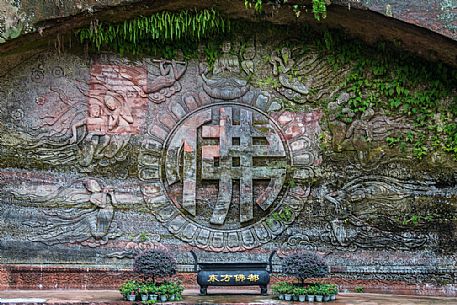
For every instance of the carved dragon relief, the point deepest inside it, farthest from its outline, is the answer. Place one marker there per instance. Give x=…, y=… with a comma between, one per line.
x=367, y=213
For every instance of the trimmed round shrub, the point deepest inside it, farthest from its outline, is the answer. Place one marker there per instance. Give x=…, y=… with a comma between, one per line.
x=154, y=263
x=304, y=265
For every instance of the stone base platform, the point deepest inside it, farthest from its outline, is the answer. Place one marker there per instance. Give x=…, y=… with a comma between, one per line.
x=216, y=296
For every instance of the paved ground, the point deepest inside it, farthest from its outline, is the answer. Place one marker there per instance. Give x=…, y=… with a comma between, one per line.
x=217, y=296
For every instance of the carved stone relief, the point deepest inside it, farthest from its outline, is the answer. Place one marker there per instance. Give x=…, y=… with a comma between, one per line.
x=217, y=192
x=86, y=219
x=115, y=156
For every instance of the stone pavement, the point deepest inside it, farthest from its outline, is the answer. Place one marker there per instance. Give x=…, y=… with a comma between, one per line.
x=216, y=296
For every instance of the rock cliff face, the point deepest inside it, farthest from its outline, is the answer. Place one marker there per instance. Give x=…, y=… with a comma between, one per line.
x=437, y=16
x=267, y=138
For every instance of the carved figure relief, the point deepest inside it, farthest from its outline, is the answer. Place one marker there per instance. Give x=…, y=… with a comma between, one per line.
x=370, y=129
x=304, y=76
x=226, y=63
x=212, y=159
x=116, y=111
x=87, y=218
x=225, y=88
x=248, y=60
x=357, y=205
x=106, y=130
x=64, y=133
x=283, y=63
x=167, y=83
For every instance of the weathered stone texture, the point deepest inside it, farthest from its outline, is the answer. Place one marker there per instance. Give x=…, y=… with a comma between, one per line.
x=102, y=157
x=433, y=38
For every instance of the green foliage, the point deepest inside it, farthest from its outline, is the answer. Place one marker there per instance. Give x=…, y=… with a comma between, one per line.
x=299, y=291
x=141, y=34
x=167, y=288
x=129, y=287
x=212, y=52
x=414, y=220
x=319, y=6
x=319, y=9
x=285, y=214
x=399, y=84
x=282, y=288
x=11, y=33
x=257, y=4
x=359, y=289
x=312, y=289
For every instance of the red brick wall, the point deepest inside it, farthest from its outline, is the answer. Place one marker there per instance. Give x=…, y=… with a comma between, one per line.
x=36, y=277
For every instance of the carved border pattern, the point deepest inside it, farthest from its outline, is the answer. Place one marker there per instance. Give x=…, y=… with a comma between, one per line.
x=210, y=239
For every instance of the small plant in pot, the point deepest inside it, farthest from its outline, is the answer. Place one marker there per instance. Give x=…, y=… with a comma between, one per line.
x=333, y=291
x=152, y=292
x=144, y=290
x=178, y=289
x=325, y=290
x=304, y=265
x=311, y=293
x=128, y=290
x=163, y=292
x=280, y=288
x=288, y=292
x=172, y=291
x=132, y=296
x=318, y=297
x=300, y=292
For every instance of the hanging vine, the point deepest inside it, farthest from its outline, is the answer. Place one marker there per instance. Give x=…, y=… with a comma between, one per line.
x=319, y=6
x=136, y=34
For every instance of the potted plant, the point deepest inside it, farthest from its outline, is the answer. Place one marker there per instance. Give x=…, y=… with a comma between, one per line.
x=294, y=294
x=325, y=290
x=163, y=292
x=132, y=296
x=300, y=292
x=288, y=292
x=179, y=288
x=311, y=293
x=280, y=288
x=333, y=292
x=318, y=297
x=172, y=291
x=144, y=290
x=129, y=288
x=154, y=263
x=303, y=265
x=152, y=292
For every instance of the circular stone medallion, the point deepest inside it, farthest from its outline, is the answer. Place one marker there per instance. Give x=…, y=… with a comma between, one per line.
x=224, y=169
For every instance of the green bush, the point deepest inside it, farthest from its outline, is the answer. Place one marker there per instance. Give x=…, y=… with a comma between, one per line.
x=282, y=288
x=311, y=290
x=299, y=291
x=129, y=287
x=359, y=289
